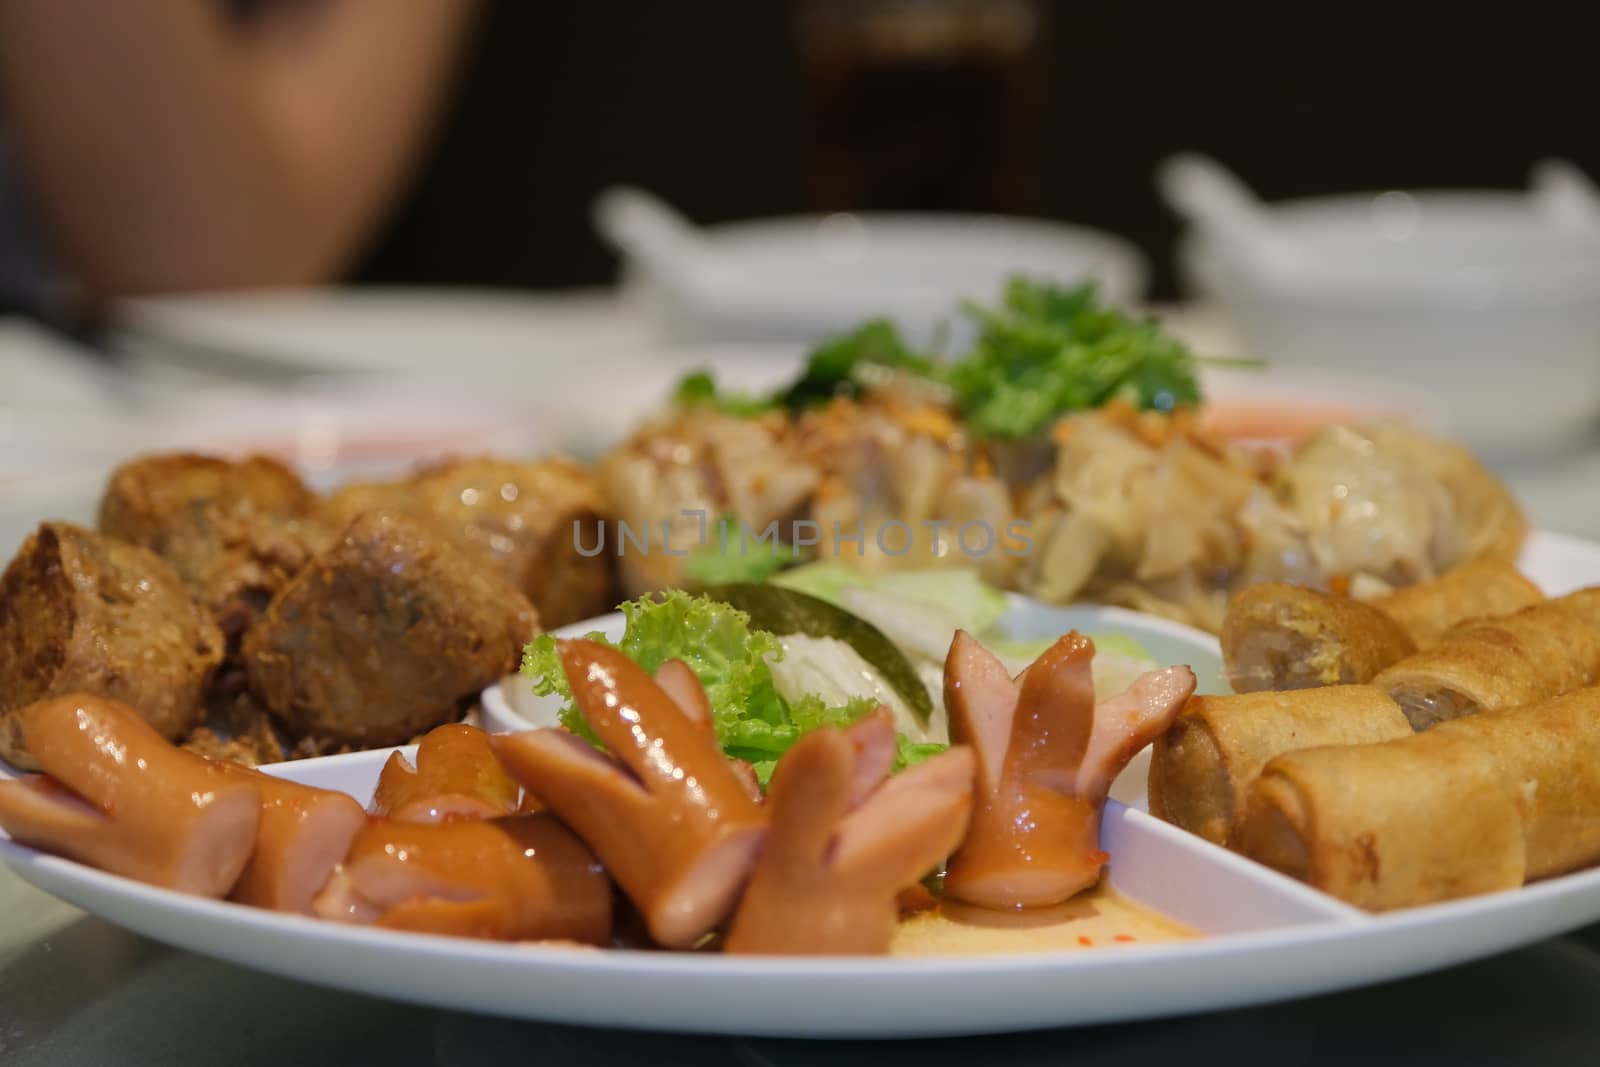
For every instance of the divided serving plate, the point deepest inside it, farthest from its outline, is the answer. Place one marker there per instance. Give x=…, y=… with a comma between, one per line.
x=1267, y=937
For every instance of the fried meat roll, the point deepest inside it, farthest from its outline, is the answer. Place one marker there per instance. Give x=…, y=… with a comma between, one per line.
x=1534, y=654
x=1277, y=636
x=1481, y=803
x=520, y=878
x=235, y=531
x=456, y=776
x=1202, y=768
x=1477, y=589
x=118, y=796
x=384, y=635
x=83, y=613
x=845, y=842
x=527, y=519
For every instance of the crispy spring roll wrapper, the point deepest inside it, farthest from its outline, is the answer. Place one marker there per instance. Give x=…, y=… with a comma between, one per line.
x=1396, y=824
x=1277, y=636
x=670, y=817
x=518, y=878
x=302, y=835
x=1523, y=658
x=457, y=776
x=844, y=843
x=1046, y=756
x=1477, y=589
x=1202, y=768
x=1585, y=603
x=1549, y=755
x=118, y=796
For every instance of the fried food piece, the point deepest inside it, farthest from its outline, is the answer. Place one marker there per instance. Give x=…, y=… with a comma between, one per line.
x=238, y=727
x=1477, y=589
x=1531, y=655
x=528, y=519
x=1473, y=805
x=1202, y=768
x=236, y=532
x=119, y=797
x=1277, y=636
x=1391, y=825
x=81, y=612
x=384, y=636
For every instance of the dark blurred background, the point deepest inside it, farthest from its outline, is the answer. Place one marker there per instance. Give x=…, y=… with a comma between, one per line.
x=737, y=108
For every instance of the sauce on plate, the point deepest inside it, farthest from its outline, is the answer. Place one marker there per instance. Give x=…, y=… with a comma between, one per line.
x=1100, y=918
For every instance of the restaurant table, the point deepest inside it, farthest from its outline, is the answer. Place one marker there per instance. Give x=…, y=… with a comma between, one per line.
x=77, y=990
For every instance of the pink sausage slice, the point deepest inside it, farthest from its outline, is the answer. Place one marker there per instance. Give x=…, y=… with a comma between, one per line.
x=1046, y=758
x=837, y=855
x=666, y=813
x=118, y=796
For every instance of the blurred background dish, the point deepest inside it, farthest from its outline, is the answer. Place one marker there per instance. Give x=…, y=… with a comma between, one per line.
x=1489, y=301
x=806, y=278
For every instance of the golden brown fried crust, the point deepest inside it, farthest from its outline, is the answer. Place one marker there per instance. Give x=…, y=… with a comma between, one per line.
x=81, y=612
x=384, y=636
x=1531, y=655
x=1201, y=770
x=518, y=516
x=235, y=531
x=1278, y=636
x=1477, y=589
x=1481, y=803
x=1396, y=824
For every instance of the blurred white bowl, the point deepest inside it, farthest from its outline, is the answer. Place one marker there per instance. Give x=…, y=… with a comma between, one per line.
x=1480, y=298
x=808, y=277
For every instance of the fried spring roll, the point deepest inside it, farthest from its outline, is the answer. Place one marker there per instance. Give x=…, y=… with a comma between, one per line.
x=1549, y=755
x=302, y=835
x=457, y=776
x=1277, y=636
x=519, y=878
x=1046, y=756
x=666, y=812
x=844, y=842
x=1391, y=825
x=1202, y=768
x=1532, y=655
x=1477, y=804
x=118, y=796
x=1477, y=589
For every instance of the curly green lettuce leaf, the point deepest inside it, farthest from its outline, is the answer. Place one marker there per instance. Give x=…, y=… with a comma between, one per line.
x=909, y=753
x=731, y=659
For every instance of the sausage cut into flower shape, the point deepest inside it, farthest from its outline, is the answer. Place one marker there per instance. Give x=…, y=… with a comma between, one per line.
x=844, y=842
x=669, y=816
x=120, y=797
x=456, y=776
x=1046, y=757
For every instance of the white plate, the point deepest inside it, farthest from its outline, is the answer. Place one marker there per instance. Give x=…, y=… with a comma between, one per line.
x=1272, y=939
